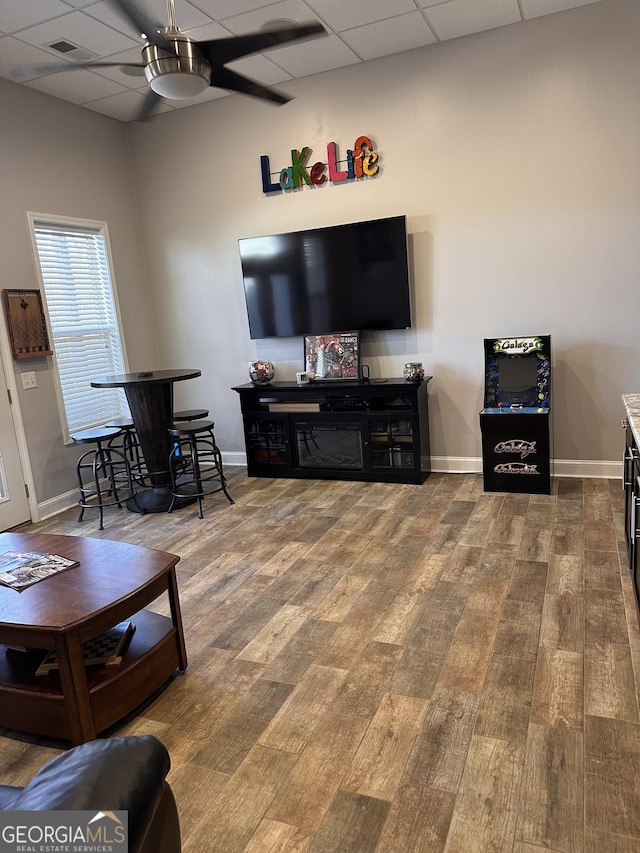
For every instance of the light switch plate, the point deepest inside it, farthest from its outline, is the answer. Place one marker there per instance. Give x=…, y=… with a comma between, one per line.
x=29, y=380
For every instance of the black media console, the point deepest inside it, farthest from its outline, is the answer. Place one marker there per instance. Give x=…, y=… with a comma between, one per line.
x=339, y=430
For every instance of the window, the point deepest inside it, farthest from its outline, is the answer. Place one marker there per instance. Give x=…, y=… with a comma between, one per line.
x=75, y=270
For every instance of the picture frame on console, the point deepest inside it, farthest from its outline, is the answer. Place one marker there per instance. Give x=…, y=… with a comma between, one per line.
x=332, y=356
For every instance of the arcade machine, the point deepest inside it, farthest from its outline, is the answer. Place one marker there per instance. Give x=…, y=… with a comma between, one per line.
x=515, y=421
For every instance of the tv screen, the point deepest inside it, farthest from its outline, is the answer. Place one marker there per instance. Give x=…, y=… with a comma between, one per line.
x=343, y=278
x=518, y=380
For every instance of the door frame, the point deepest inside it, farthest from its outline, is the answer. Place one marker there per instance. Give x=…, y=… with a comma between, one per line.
x=18, y=423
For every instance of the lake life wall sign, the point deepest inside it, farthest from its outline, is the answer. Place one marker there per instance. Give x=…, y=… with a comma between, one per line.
x=361, y=162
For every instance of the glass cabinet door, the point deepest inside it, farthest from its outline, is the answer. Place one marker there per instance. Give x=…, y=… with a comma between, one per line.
x=392, y=442
x=266, y=440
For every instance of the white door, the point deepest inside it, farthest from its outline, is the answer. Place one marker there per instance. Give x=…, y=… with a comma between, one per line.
x=14, y=506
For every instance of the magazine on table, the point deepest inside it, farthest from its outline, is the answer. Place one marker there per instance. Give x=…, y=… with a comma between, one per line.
x=21, y=569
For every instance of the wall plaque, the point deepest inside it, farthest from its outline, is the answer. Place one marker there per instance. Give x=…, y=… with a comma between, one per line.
x=27, y=324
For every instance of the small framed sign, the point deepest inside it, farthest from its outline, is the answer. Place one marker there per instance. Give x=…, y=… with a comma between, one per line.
x=335, y=356
x=27, y=324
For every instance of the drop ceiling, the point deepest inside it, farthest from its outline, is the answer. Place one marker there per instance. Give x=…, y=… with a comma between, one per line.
x=357, y=31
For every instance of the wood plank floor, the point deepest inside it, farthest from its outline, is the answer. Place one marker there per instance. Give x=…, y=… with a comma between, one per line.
x=383, y=668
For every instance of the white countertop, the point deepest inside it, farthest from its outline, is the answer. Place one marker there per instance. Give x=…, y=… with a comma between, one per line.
x=632, y=407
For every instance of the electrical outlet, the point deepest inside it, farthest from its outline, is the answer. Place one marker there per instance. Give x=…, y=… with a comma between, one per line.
x=29, y=380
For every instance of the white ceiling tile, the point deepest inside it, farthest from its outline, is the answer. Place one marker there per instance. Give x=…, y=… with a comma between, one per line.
x=81, y=30
x=221, y=9
x=357, y=30
x=124, y=106
x=14, y=53
x=287, y=10
x=393, y=36
x=117, y=75
x=16, y=16
x=188, y=16
x=81, y=4
x=208, y=32
x=463, y=17
x=536, y=8
x=77, y=86
x=341, y=15
x=313, y=57
x=402, y=33
x=108, y=14
x=260, y=69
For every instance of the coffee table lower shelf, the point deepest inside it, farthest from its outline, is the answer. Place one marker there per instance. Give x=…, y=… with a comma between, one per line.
x=35, y=703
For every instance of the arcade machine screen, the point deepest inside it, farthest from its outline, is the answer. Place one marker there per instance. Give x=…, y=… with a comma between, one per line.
x=518, y=380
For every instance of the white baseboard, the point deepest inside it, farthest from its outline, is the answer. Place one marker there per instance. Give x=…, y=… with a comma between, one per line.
x=559, y=467
x=456, y=465
x=473, y=465
x=53, y=506
x=598, y=469
x=439, y=465
x=236, y=457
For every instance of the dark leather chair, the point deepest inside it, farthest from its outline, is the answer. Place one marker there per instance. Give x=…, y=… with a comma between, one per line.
x=112, y=774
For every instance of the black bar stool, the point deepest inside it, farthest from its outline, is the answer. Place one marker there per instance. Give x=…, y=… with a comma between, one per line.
x=110, y=473
x=195, y=463
x=129, y=444
x=190, y=415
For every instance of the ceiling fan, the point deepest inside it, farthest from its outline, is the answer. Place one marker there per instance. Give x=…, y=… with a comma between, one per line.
x=178, y=67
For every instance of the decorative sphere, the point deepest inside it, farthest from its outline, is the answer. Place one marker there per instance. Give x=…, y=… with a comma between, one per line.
x=261, y=372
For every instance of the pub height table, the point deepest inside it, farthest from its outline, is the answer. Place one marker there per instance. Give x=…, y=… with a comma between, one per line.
x=150, y=398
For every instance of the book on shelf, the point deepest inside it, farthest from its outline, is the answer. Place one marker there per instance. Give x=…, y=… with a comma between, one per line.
x=107, y=648
x=294, y=406
x=21, y=569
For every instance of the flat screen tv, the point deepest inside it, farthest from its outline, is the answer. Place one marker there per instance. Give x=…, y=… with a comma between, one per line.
x=342, y=278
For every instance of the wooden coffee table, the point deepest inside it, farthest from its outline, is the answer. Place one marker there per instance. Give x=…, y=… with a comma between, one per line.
x=114, y=582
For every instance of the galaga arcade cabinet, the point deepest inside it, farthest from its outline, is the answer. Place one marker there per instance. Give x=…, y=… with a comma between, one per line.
x=515, y=422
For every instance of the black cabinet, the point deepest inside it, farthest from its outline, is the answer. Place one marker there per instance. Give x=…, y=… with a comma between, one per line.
x=515, y=423
x=631, y=486
x=346, y=430
x=634, y=543
x=516, y=450
x=628, y=484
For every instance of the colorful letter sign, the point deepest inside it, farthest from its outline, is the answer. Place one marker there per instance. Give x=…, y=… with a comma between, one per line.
x=361, y=162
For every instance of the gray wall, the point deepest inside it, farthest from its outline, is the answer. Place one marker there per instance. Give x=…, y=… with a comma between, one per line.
x=62, y=160
x=514, y=153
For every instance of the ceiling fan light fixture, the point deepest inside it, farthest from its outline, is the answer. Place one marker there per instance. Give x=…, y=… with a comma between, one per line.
x=178, y=85
x=177, y=76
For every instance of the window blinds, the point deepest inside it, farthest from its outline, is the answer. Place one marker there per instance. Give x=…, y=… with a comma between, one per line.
x=84, y=324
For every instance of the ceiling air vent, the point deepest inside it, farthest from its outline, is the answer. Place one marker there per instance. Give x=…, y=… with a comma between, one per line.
x=71, y=51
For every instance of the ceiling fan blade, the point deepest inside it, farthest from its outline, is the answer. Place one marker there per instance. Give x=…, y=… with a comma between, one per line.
x=54, y=67
x=150, y=102
x=221, y=51
x=142, y=22
x=224, y=78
